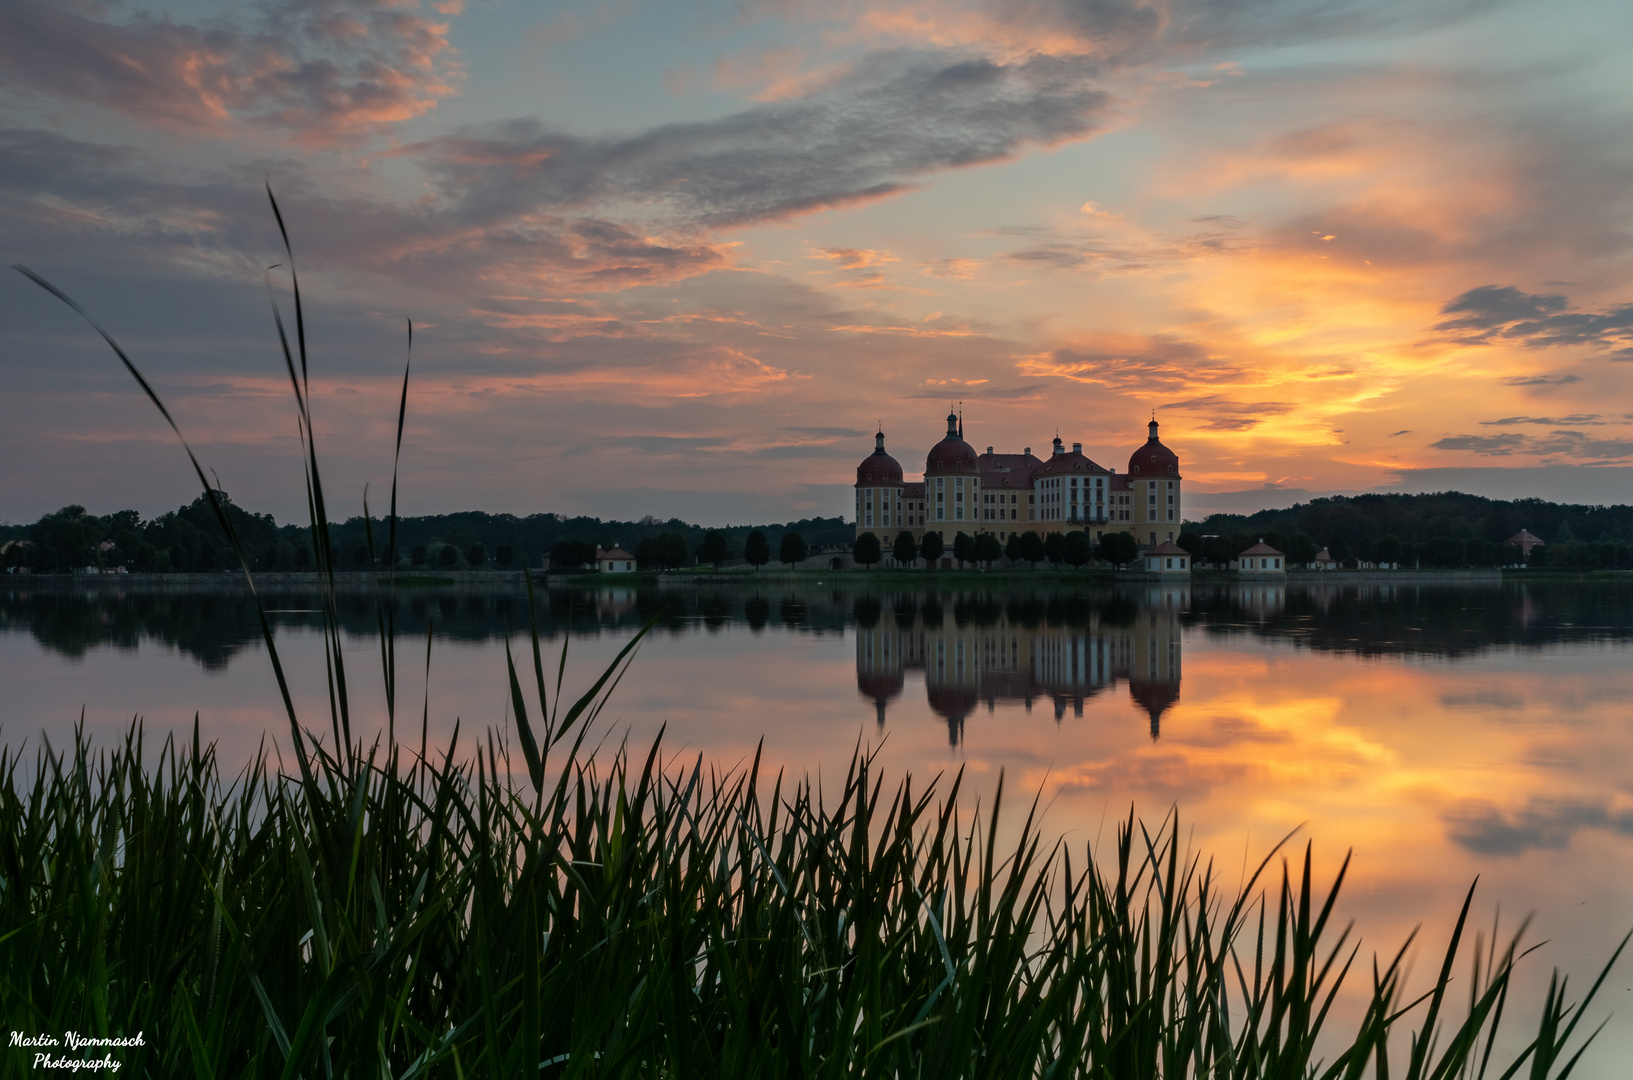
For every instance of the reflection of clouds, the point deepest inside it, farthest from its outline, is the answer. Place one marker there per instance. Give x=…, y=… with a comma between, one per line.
x=1486, y=828
x=1483, y=699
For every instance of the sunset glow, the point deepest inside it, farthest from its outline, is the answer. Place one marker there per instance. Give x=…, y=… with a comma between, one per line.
x=701, y=251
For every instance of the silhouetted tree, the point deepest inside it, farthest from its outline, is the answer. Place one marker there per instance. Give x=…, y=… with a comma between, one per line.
x=1302, y=548
x=1079, y=548
x=714, y=549
x=504, y=554
x=1054, y=546
x=792, y=550
x=1032, y=548
x=417, y=555
x=963, y=548
x=476, y=555
x=867, y=550
x=448, y=555
x=987, y=548
x=1119, y=548
x=905, y=550
x=1388, y=549
x=931, y=548
x=756, y=549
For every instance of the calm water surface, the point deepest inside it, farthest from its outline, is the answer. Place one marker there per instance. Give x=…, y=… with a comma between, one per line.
x=1443, y=734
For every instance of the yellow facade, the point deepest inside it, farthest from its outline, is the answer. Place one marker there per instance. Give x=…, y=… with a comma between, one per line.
x=1004, y=494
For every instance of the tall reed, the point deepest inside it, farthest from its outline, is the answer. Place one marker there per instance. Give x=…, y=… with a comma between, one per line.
x=379, y=911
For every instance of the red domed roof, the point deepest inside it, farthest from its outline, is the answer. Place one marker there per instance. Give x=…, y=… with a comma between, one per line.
x=951, y=454
x=1153, y=459
x=878, y=468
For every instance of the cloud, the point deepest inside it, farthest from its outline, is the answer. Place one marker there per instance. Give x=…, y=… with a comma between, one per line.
x=1224, y=221
x=954, y=269
x=1572, y=444
x=64, y=200
x=1157, y=363
x=1552, y=421
x=1542, y=824
x=854, y=258
x=321, y=69
x=797, y=451
x=894, y=118
x=1537, y=320
x=1489, y=445
x=667, y=444
x=831, y=432
x=1226, y=415
x=1542, y=380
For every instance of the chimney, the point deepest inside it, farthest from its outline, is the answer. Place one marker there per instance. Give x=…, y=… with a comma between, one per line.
x=989, y=449
x=1077, y=448
x=1028, y=451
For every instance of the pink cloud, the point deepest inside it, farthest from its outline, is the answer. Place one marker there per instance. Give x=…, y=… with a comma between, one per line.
x=318, y=69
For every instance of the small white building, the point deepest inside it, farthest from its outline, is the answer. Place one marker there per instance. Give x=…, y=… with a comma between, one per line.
x=1262, y=560
x=1323, y=561
x=1167, y=558
x=616, y=561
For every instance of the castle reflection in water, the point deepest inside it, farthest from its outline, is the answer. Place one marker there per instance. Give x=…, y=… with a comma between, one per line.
x=972, y=654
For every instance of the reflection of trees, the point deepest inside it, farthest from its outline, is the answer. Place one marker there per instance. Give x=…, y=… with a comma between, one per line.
x=1025, y=647
x=973, y=646
x=215, y=625
x=1396, y=620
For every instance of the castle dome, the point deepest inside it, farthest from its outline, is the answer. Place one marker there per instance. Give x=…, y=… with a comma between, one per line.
x=1153, y=459
x=878, y=469
x=952, y=454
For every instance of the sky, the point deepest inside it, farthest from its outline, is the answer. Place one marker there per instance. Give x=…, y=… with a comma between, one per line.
x=683, y=259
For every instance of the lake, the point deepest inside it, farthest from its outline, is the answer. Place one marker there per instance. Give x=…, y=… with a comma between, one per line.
x=1443, y=734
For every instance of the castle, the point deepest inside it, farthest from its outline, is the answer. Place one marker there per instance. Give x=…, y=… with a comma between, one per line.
x=963, y=491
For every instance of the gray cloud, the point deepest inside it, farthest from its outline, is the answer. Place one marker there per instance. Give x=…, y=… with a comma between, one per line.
x=1575, y=418
x=831, y=432
x=796, y=451
x=1572, y=444
x=895, y=118
x=321, y=68
x=1542, y=824
x=1489, y=445
x=666, y=444
x=1537, y=320
x=1542, y=380
x=1160, y=363
x=1490, y=307
x=1226, y=415
x=1484, y=699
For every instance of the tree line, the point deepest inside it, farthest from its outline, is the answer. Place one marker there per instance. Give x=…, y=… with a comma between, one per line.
x=668, y=551
x=1075, y=549
x=1446, y=530
x=189, y=539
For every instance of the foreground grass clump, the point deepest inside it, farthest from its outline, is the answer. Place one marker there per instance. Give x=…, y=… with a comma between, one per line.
x=398, y=917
